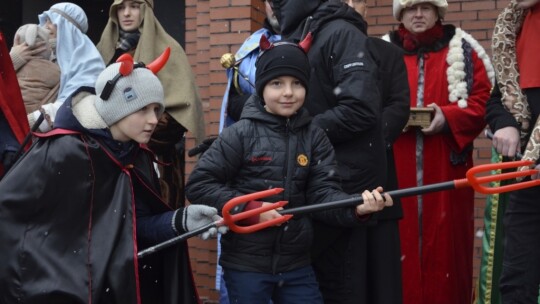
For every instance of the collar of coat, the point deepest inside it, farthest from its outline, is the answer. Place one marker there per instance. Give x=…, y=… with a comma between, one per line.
x=454, y=38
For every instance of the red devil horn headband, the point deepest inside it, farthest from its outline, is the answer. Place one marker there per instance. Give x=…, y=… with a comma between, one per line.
x=156, y=65
x=264, y=44
x=127, y=65
x=304, y=45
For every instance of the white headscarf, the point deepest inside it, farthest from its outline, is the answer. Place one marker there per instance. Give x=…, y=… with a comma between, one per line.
x=79, y=60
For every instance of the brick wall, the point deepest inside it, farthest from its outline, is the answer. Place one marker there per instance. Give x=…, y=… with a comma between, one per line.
x=215, y=27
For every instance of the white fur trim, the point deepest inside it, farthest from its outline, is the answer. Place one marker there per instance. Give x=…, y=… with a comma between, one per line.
x=399, y=5
x=481, y=52
x=85, y=112
x=457, y=87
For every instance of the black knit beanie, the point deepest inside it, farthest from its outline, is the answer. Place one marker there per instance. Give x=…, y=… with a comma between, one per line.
x=282, y=59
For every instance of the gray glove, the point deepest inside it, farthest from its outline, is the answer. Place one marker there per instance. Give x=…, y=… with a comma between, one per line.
x=196, y=216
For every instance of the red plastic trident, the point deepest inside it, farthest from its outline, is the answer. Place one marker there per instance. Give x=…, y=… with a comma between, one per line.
x=472, y=180
x=231, y=219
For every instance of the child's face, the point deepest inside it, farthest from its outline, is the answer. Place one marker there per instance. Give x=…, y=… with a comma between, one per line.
x=129, y=15
x=137, y=126
x=284, y=95
x=51, y=27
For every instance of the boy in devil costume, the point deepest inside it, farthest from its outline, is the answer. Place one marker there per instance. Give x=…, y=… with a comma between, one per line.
x=275, y=145
x=76, y=209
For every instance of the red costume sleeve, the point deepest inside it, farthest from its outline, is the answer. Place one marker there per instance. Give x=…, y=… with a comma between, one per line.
x=11, y=102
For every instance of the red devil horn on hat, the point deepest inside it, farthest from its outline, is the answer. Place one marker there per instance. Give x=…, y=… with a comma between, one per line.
x=264, y=44
x=306, y=43
x=156, y=65
x=126, y=64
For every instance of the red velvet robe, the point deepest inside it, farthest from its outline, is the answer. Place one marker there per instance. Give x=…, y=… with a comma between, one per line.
x=442, y=272
x=11, y=102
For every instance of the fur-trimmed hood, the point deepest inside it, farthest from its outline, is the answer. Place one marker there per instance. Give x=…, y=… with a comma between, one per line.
x=79, y=113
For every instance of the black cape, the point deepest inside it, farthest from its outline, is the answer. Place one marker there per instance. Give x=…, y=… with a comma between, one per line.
x=68, y=228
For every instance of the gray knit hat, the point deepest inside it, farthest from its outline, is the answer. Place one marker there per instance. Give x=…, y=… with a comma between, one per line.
x=129, y=94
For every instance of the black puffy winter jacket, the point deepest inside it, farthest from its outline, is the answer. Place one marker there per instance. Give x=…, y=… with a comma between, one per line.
x=263, y=151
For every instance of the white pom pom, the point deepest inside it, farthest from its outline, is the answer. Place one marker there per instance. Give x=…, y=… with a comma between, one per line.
x=462, y=87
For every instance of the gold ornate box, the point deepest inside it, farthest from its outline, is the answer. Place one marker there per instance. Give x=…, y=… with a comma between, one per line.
x=420, y=117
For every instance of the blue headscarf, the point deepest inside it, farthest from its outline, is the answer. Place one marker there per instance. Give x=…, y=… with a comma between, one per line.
x=79, y=60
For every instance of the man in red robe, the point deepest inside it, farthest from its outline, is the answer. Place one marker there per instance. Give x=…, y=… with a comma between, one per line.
x=451, y=74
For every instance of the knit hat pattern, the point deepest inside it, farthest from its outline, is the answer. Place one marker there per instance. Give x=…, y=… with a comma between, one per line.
x=130, y=94
x=282, y=59
x=399, y=5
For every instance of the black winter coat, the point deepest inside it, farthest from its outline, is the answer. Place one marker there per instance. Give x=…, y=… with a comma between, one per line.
x=263, y=151
x=394, y=87
x=343, y=97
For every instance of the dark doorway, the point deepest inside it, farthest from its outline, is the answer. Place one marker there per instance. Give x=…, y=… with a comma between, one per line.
x=170, y=13
x=10, y=19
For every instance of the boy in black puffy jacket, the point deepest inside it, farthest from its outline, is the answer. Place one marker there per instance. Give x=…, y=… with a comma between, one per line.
x=274, y=145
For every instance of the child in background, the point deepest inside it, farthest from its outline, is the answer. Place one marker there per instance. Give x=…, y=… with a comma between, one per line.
x=39, y=77
x=274, y=145
x=76, y=55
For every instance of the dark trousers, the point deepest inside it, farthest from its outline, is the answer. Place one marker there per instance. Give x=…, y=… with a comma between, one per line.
x=520, y=278
x=362, y=265
x=297, y=286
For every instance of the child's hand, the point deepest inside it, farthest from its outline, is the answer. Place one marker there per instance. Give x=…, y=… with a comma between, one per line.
x=373, y=201
x=270, y=214
x=28, y=53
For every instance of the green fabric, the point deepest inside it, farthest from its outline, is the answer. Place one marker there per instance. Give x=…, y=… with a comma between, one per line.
x=487, y=287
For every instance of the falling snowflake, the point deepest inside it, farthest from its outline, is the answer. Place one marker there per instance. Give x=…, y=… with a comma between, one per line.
x=331, y=173
x=479, y=233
